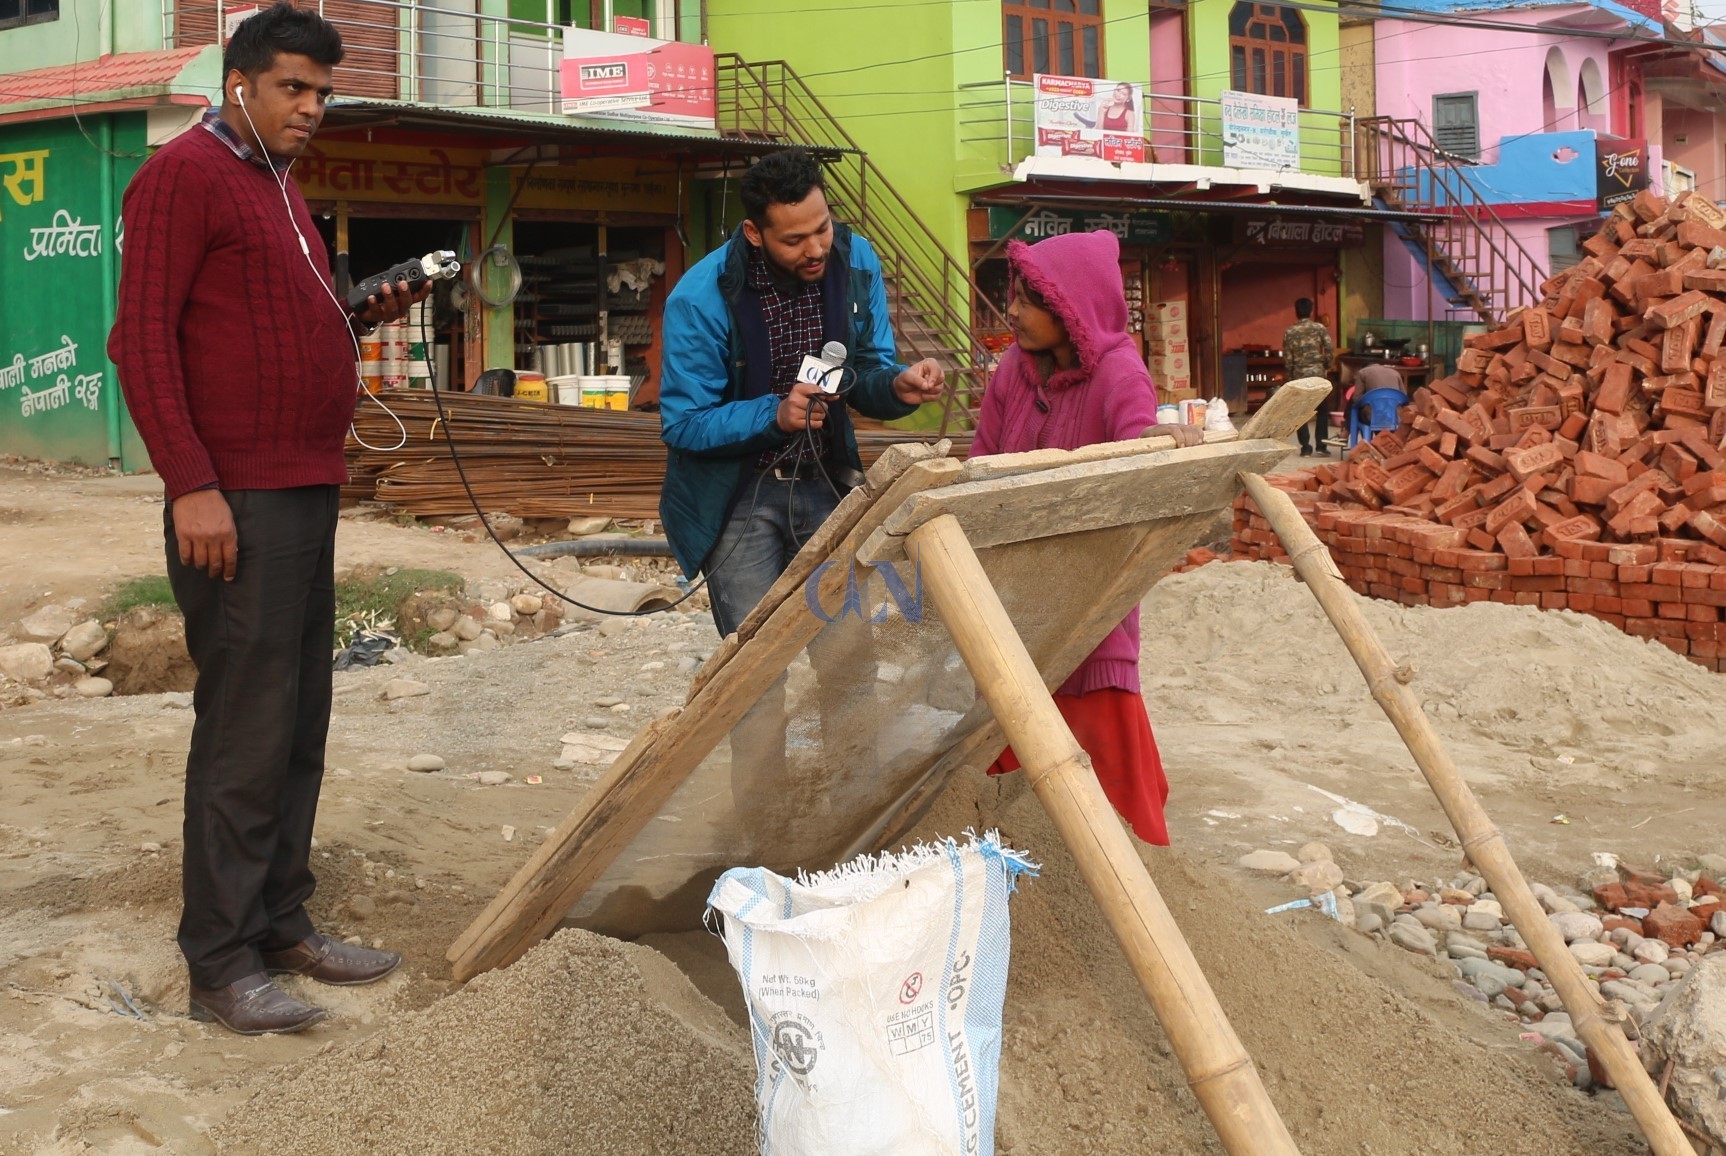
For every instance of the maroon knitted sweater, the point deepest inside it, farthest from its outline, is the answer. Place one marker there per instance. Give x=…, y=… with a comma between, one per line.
x=237, y=367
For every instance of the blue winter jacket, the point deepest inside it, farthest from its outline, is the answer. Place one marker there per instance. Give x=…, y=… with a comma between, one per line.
x=715, y=417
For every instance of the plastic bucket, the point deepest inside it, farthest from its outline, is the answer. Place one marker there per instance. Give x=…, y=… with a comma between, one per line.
x=617, y=392
x=531, y=387
x=565, y=390
x=593, y=392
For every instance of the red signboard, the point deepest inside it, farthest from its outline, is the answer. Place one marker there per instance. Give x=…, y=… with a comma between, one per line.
x=631, y=26
x=669, y=83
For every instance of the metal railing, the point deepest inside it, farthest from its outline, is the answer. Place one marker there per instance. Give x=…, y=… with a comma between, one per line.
x=414, y=50
x=931, y=292
x=1464, y=238
x=1178, y=129
x=1464, y=241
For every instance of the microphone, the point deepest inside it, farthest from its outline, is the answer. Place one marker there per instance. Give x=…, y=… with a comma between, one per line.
x=823, y=371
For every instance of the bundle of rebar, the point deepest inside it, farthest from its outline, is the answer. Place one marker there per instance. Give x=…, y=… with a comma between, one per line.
x=525, y=458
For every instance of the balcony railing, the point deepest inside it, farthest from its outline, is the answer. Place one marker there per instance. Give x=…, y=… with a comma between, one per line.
x=430, y=52
x=1000, y=117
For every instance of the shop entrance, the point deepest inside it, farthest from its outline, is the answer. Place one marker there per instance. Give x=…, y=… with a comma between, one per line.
x=590, y=301
x=373, y=244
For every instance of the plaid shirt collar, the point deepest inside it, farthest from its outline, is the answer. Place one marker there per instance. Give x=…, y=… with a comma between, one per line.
x=225, y=133
x=761, y=277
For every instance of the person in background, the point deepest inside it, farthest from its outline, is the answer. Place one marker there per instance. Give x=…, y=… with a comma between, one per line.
x=1308, y=352
x=238, y=367
x=1074, y=378
x=1378, y=375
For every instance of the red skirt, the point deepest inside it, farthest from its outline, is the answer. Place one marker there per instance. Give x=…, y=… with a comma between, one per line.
x=1113, y=728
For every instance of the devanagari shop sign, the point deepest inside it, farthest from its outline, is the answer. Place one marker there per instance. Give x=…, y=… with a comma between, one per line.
x=1132, y=228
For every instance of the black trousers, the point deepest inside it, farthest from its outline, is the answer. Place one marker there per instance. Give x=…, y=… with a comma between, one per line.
x=262, y=647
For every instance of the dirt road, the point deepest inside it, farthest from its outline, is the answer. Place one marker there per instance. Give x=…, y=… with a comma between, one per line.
x=1266, y=729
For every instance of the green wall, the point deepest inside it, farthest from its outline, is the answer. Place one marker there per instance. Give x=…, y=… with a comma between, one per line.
x=66, y=292
x=1208, y=57
x=895, y=75
x=86, y=30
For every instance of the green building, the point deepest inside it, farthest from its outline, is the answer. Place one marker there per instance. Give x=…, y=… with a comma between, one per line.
x=1231, y=207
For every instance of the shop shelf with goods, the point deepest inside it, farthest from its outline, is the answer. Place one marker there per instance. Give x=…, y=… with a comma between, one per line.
x=588, y=302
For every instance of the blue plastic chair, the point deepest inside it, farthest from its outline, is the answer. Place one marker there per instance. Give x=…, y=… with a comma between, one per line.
x=1373, y=412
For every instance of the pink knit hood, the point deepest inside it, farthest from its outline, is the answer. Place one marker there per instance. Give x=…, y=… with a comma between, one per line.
x=1078, y=276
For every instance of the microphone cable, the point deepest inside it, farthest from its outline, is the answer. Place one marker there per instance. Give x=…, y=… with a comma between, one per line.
x=473, y=499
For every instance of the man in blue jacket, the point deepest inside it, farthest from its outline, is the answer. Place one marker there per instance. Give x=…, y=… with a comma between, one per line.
x=758, y=458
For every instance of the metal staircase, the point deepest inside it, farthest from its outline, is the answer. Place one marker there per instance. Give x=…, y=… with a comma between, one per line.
x=930, y=292
x=1461, y=238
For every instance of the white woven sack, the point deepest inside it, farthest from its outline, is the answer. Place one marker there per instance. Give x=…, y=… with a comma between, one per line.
x=874, y=994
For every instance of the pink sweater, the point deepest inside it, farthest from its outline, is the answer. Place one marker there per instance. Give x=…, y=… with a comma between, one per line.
x=1108, y=397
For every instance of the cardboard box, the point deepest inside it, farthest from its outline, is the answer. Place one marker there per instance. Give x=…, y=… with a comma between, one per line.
x=1168, y=393
x=1161, y=347
x=1166, y=311
x=1171, y=366
x=1167, y=330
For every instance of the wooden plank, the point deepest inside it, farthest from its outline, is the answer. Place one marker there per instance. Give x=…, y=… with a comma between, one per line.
x=641, y=780
x=1289, y=408
x=1146, y=487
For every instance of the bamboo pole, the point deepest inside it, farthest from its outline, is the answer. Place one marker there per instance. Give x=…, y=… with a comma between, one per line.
x=1483, y=842
x=1218, y=1068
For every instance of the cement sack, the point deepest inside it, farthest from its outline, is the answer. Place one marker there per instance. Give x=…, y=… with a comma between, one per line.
x=874, y=994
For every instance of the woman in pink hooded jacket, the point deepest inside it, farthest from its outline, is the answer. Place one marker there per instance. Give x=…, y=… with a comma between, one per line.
x=1073, y=378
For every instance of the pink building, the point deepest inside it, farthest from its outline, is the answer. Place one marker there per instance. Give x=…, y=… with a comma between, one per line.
x=1533, y=110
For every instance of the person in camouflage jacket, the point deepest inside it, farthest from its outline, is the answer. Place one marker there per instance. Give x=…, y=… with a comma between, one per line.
x=1307, y=352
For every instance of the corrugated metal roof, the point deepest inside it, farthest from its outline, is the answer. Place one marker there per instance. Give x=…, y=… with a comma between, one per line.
x=124, y=71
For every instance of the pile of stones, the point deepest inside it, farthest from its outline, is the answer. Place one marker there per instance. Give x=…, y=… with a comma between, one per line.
x=1634, y=932
x=54, y=651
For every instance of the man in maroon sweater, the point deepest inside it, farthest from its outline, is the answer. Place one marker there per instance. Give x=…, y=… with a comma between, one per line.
x=245, y=411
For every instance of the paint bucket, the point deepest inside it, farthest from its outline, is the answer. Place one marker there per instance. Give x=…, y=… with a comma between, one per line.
x=1168, y=415
x=592, y=392
x=1193, y=412
x=565, y=390
x=531, y=387
x=371, y=362
x=617, y=392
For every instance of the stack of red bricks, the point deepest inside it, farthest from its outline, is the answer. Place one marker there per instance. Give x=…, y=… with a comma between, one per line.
x=1572, y=462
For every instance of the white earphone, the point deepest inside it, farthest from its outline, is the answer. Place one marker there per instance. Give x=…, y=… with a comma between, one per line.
x=281, y=179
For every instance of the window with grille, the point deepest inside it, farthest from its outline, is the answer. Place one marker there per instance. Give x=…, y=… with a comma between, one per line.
x=1063, y=37
x=1267, y=50
x=1456, y=124
x=16, y=12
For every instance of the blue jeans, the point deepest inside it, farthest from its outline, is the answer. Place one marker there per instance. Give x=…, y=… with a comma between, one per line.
x=768, y=525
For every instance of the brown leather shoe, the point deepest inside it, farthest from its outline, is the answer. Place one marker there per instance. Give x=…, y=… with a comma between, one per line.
x=253, y=1006
x=327, y=961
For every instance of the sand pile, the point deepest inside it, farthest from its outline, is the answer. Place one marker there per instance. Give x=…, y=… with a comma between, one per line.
x=589, y=1046
x=586, y=1047
x=1254, y=645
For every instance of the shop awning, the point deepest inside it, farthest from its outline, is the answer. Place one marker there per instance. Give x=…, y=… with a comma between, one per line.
x=601, y=134
x=1105, y=199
